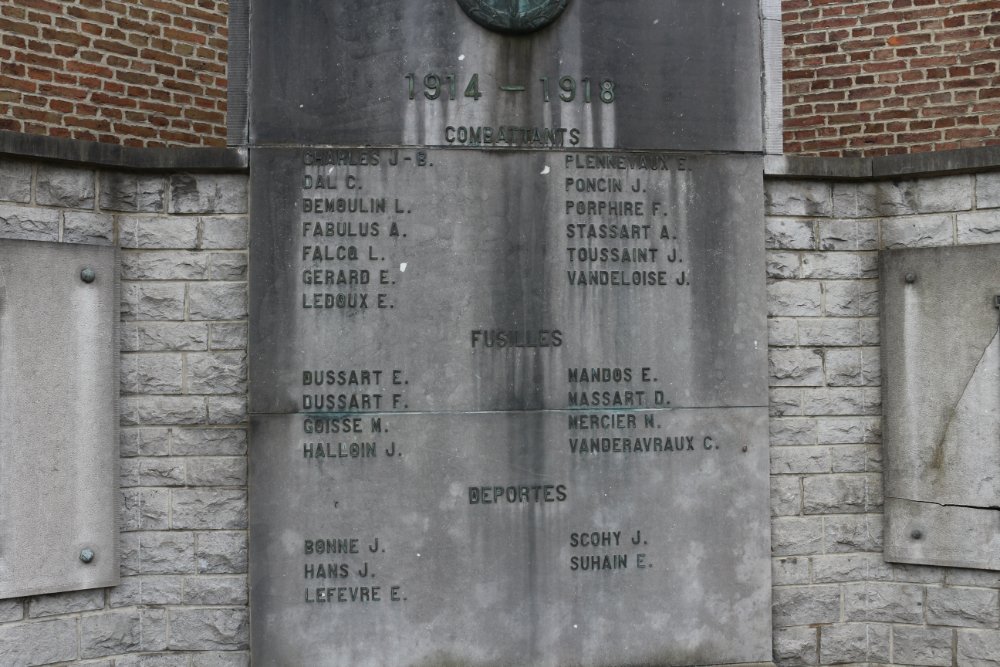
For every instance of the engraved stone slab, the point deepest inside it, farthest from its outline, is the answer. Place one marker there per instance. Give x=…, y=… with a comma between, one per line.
x=668, y=74
x=490, y=539
x=58, y=418
x=505, y=281
x=941, y=385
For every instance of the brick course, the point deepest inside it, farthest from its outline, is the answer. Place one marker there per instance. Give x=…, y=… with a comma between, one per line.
x=139, y=73
x=890, y=76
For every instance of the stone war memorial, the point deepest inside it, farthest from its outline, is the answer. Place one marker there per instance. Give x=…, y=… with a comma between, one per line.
x=507, y=339
x=499, y=333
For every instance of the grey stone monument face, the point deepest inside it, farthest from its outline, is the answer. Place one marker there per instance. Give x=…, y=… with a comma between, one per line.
x=508, y=380
x=58, y=418
x=941, y=379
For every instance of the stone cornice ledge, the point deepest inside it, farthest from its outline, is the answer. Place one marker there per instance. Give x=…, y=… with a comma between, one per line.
x=92, y=153
x=941, y=163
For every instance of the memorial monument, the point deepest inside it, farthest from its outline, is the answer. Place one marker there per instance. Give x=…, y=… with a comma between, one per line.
x=508, y=340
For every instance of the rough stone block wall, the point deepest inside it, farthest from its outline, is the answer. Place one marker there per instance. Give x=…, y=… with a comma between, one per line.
x=182, y=601
x=890, y=76
x=135, y=72
x=835, y=599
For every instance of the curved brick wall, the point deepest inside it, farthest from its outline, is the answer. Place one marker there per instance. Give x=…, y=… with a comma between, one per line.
x=139, y=73
x=890, y=76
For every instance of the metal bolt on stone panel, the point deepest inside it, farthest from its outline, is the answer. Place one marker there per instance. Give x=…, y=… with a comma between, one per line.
x=87, y=555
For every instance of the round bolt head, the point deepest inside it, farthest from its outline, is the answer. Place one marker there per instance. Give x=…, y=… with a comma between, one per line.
x=916, y=534
x=911, y=278
x=87, y=555
x=88, y=275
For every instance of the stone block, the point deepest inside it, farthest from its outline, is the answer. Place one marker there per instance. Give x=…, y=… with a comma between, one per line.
x=221, y=552
x=984, y=578
x=785, y=402
x=978, y=227
x=110, y=633
x=839, y=265
x=208, y=193
x=782, y=265
x=15, y=180
x=167, y=552
x=28, y=223
x=164, y=336
x=851, y=458
x=854, y=642
x=848, y=235
x=789, y=570
x=209, y=442
x=922, y=646
x=66, y=187
x=144, y=441
x=883, y=602
x=217, y=373
x=829, y=332
x=848, y=568
x=158, y=232
x=224, y=233
x=227, y=410
x=798, y=198
x=11, y=610
x=133, y=193
x=228, y=336
x=145, y=301
x=870, y=332
x=918, y=231
x=792, y=431
x=209, y=509
x=794, y=299
x=215, y=590
x=151, y=373
x=847, y=430
x=799, y=460
x=208, y=629
x=963, y=607
x=796, y=367
x=163, y=410
x=217, y=471
x=790, y=234
x=227, y=266
x=786, y=496
x=145, y=509
x=796, y=536
x=153, y=660
x=38, y=643
x=796, y=646
x=978, y=648
x=164, y=265
x=843, y=368
x=782, y=331
x=988, y=190
x=850, y=533
x=917, y=574
x=89, y=228
x=217, y=301
x=148, y=590
x=162, y=471
x=805, y=605
x=65, y=603
x=833, y=401
x=840, y=494
x=948, y=193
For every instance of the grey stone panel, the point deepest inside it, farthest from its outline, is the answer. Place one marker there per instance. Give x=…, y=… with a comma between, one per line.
x=690, y=79
x=468, y=263
x=447, y=555
x=58, y=417
x=68, y=187
x=942, y=475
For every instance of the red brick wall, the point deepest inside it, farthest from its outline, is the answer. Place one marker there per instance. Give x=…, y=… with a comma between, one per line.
x=890, y=76
x=133, y=72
